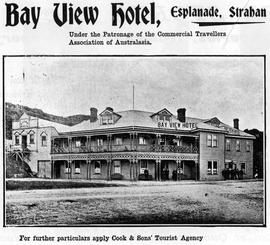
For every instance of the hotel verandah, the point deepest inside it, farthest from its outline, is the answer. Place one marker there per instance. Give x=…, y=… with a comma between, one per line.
x=134, y=145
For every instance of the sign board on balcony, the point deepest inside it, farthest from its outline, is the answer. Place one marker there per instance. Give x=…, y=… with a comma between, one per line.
x=176, y=125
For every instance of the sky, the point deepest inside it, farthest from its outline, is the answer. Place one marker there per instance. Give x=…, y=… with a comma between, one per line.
x=222, y=87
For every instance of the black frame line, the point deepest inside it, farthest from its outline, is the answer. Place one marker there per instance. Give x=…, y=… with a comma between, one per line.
x=263, y=225
x=211, y=23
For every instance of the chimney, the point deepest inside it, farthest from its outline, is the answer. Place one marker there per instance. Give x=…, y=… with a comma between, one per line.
x=236, y=123
x=109, y=109
x=93, y=114
x=181, y=114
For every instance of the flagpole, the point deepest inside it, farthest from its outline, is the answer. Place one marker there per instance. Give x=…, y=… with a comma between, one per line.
x=133, y=98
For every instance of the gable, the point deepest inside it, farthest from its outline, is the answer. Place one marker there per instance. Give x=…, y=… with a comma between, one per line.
x=108, y=117
x=164, y=112
x=214, y=122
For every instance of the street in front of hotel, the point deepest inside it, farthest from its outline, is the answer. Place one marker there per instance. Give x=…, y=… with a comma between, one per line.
x=186, y=202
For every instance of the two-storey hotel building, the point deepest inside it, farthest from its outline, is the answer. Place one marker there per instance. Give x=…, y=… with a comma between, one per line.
x=134, y=145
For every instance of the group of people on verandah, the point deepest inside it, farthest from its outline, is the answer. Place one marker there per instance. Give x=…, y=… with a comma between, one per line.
x=232, y=172
x=227, y=173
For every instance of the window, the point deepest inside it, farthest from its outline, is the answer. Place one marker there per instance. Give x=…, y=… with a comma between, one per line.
x=117, y=167
x=77, y=167
x=237, y=145
x=97, y=167
x=212, y=167
x=32, y=139
x=243, y=167
x=107, y=119
x=142, y=141
x=164, y=117
x=67, y=169
x=77, y=143
x=143, y=166
x=17, y=140
x=228, y=145
x=118, y=141
x=43, y=140
x=162, y=141
x=99, y=142
x=212, y=140
x=247, y=146
x=209, y=140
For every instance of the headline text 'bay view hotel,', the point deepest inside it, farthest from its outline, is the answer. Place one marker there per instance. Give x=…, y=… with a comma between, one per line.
x=134, y=145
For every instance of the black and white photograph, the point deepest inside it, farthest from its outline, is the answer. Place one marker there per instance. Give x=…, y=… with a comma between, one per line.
x=154, y=140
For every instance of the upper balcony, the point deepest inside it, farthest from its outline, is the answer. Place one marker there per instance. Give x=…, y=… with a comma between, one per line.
x=125, y=147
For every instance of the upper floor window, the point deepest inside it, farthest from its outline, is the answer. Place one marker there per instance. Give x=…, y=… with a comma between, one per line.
x=32, y=138
x=17, y=140
x=162, y=141
x=142, y=141
x=212, y=140
x=77, y=143
x=212, y=167
x=43, y=140
x=228, y=145
x=247, y=146
x=118, y=141
x=164, y=117
x=238, y=145
x=107, y=119
x=99, y=142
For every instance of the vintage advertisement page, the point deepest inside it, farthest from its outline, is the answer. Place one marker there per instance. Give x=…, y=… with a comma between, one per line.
x=134, y=122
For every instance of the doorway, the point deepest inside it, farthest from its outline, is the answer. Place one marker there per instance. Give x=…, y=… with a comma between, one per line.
x=164, y=170
x=57, y=171
x=24, y=141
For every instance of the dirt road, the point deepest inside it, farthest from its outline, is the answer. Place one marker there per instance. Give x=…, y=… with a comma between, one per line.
x=190, y=203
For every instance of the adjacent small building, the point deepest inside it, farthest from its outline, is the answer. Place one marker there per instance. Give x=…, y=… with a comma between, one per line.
x=134, y=145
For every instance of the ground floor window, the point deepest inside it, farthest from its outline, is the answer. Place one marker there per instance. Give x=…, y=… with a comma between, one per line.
x=77, y=167
x=97, y=166
x=117, y=167
x=143, y=166
x=67, y=169
x=243, y=167
x=212, y=167
x=230, y=165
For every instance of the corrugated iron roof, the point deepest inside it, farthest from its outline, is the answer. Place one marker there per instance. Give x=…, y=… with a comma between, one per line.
x=139, y=118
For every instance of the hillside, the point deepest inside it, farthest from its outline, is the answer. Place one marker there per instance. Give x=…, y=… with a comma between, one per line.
x=14, y=112
x=16, y=168
x=257, y=151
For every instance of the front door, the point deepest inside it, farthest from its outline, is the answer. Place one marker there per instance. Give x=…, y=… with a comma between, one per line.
x=24, y=141
x=164, y=170
x=57, y=171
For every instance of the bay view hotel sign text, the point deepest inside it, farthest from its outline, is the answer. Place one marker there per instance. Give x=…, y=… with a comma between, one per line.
x=134, y=145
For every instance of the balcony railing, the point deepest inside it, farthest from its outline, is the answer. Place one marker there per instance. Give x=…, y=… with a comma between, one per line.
x=59, y=149
x=168, y=148
x=126, y=147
